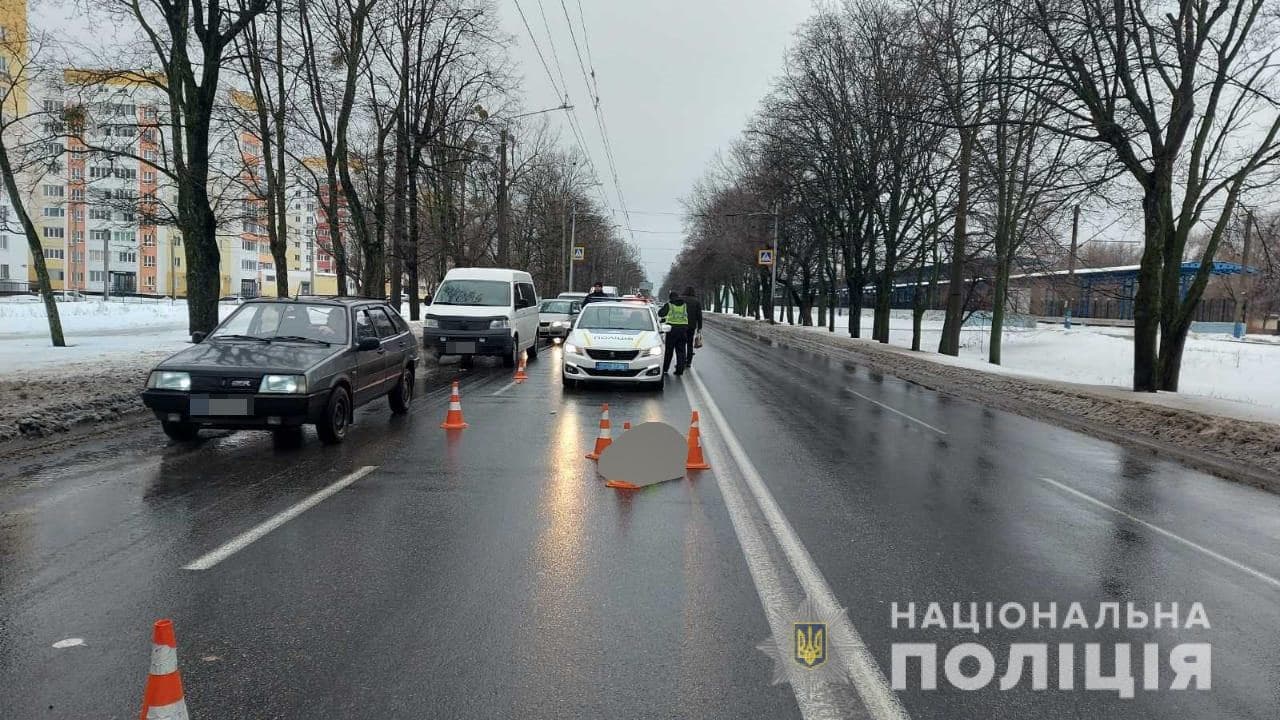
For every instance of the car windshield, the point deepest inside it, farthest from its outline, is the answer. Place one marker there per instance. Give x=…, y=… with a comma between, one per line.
x=283, y=320
x=563, y=307
x=487, y=293
x=595, y=317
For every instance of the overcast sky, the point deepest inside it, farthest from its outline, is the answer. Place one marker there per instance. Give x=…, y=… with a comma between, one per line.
x=678, y=80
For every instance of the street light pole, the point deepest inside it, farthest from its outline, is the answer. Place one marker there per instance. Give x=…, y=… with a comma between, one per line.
x=573, y=231
x=773, y=267
x=504, y=210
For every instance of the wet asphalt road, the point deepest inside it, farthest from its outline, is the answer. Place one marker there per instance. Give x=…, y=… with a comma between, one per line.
x=489, y=573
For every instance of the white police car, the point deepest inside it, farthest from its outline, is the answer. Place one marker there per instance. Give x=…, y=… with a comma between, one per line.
x=614, y=342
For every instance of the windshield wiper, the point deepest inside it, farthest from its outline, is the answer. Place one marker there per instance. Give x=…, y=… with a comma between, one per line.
x=240, y=337
x=299, y=338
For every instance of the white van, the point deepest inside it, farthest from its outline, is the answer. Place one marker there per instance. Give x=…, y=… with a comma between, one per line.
x=483, y=311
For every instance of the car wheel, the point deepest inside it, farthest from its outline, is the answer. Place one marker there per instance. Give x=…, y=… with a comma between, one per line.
x=570, y=384
x=180, y=431
x=511, y=358
x=402, y=394
x=332, y=428
x=533, y=351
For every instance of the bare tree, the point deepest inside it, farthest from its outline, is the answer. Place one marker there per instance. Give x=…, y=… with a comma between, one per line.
x=1183, y=97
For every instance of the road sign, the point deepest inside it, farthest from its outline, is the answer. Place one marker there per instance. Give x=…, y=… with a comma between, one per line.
x=765, y=257
x=579, y=253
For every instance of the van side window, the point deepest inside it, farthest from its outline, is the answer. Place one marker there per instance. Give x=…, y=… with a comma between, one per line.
x=527, y=296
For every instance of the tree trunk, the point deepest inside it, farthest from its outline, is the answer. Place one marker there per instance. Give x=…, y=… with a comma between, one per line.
x=949, y=344
x=37, y=250
x=1146, y=299
x=998, y=300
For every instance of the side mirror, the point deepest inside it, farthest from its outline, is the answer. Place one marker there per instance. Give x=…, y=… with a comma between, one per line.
x=664, y=328
x=197, y=337
x=368, y=343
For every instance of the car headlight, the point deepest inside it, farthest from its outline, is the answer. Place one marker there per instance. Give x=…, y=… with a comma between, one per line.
x=497, y=324
x=655, y=351
x=559, y=323
x=431, y=322
x=166, y=380
x=287, y=384
x=571, y=348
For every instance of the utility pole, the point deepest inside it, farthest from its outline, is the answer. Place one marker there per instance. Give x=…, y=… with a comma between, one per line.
x=503, y=211
x=106, y=264
x=564, y=237
x=773, y=267
x=1071, y=267
x=573, y=233
x=1242, y=307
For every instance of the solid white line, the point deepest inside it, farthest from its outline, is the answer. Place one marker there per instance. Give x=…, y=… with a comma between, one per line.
x=250, y=536
x=880, y=701
x=898, y=412
x=1172, y=536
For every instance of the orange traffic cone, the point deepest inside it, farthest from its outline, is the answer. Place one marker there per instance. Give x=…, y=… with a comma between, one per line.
x=520, y=376
x=605, y=437
x=163, y=700
x=695, y=460
x=453, y=420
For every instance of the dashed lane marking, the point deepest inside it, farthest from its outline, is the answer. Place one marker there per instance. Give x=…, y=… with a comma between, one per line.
x=256, y=533
x=895, y=411
x=1166, y=533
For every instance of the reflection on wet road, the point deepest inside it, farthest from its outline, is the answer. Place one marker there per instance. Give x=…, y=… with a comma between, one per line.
x=489, y=573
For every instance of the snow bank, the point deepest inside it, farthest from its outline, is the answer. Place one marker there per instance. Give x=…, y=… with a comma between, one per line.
x=1214, y=367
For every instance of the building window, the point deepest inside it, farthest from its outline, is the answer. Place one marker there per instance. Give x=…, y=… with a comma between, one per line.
x=77, y=174
x=126, y=237
x=127, y=256
x=50, y=191
x=4, y=272
x=54, y=254
x=99, y=236
x=148, y=176
x=55, y=233
x=150, y=281
x=150, y=155
x=126, y=173
x=99, y=171
x=53, y=212
x=77, y=215
x=77, y=194
x=149, y=261
x=4, y=242
x=148, y=240
x=99, y=213
x=77, y=236
x=95, y=276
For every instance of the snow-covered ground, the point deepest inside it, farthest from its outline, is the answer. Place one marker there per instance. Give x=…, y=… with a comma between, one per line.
x=1214, y=367
x=97, y=333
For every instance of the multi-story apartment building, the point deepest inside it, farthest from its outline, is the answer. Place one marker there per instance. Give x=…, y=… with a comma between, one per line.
x=104, y=206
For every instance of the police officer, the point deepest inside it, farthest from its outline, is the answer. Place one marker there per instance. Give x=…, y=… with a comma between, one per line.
x=695, y=322
x=676, y=314
x=596, y=294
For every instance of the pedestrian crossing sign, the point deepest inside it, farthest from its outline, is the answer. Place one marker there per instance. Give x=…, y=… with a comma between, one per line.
x=579, y=253
x=765, y=257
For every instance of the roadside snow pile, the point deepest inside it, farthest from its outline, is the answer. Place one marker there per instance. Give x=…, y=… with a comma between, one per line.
x=1213, y=366
x=29, y=318
x=1239, y=449
x=43, y=402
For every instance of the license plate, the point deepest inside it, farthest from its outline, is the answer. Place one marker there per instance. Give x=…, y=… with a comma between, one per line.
x=203, y=405
x=459, y=348
x=613, y=366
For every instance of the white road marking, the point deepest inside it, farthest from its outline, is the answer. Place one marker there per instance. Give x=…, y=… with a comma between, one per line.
x=69, y=642
x=502, y=389
x=1171, y=535
x=880, y=701
x=254, y=534
x=918, y=421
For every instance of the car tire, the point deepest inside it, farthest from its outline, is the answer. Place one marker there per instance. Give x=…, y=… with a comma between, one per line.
x=180, y=431
x=510, y=359
x=533, y=350
x=332, y=428
x=570, y=384
x=401, y=396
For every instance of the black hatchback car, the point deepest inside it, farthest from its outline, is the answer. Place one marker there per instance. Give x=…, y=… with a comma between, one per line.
x=277, y=364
